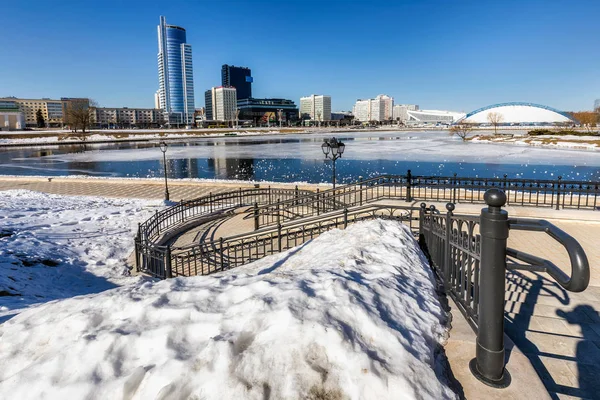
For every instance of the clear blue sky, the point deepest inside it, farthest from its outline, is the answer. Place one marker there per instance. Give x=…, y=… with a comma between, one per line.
x=455, y=55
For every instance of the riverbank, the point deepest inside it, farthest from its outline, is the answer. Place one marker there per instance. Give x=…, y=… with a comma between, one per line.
x=105, y=136
x=591, y=142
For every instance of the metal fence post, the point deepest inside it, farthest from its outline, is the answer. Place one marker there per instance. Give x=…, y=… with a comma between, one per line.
x=488, y=365
x=168, y=270
x=278, y=215
x=454, y=189
x=318, y=202
x=408, y=187
x=558, y=193
x=241, y=202
x=279, y=237
x=255, y=216
x=360, y=194
x=345, y=218
x=210, y=202
x=448, y=247
x=222, y=262
x=296, y=195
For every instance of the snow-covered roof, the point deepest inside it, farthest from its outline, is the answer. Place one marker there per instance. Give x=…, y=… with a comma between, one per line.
x=518, y=112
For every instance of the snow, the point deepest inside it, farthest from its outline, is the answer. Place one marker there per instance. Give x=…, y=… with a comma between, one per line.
x=127, y=135
x=54, y=247
x=393, y=146
x=352, y=314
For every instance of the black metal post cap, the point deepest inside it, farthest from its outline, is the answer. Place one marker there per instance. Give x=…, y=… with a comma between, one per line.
x=450, y=207
x=494, y=197
x=432, y=207
x=423, y=205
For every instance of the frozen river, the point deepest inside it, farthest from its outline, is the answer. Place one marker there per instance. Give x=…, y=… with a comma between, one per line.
x=290, y=158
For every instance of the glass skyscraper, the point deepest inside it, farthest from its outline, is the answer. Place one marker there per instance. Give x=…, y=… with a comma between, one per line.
x=175, y=74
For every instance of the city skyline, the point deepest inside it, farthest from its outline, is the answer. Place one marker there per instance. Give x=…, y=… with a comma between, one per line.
x=456, y=57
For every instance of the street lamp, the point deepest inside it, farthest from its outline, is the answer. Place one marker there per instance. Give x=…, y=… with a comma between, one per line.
x=333, y=149
x=280, y=115
x=163, y=148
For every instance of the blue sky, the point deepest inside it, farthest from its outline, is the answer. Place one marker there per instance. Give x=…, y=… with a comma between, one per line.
x=455, y=55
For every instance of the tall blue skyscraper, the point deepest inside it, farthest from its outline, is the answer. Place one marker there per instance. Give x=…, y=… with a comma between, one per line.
x=175, y=74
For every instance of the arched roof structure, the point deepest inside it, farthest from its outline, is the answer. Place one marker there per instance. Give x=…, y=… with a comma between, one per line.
x=518, y=113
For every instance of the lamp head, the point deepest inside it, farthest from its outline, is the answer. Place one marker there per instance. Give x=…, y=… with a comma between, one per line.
x=163, y=147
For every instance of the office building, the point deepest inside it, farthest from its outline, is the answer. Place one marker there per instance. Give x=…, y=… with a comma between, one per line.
x=175, y=74
x=208, y=105
x=378, y=109
x=267, y=110
x=222, y=103
x=53, y=111
x=238, y=77
x=124, y=117
x=316, y=107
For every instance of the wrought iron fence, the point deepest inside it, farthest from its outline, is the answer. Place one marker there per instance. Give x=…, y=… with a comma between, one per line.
x=469, y=255
x=519, y=192
x=234, y=251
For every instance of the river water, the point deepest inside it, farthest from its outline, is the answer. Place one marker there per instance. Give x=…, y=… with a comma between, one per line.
x=298, y=157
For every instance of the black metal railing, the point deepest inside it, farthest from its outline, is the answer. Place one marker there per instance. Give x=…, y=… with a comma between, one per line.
x=519, y=192
x=226, y=253
x=469, y=255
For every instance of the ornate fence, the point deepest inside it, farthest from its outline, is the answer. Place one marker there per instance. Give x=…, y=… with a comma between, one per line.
x=519, y=192
x=468, y=254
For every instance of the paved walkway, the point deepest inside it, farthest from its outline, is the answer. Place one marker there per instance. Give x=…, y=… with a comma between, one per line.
x=559, y=332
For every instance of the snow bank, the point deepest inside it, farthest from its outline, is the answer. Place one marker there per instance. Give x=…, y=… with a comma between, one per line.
x=54, y=246
x=352, y=314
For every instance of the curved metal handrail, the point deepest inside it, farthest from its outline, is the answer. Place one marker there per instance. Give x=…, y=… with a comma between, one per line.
x=580, y=268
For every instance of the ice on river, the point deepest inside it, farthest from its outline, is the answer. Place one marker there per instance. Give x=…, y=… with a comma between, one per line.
x=394, y=146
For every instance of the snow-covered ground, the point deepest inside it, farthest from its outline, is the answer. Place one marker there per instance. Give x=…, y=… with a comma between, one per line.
x=54, y=247
x=352, y=314
x=125, y=136
x=589, y=142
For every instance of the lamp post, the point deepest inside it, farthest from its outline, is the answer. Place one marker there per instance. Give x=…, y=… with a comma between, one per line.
x=163, y=148
x=279, y=115
x=333, y=149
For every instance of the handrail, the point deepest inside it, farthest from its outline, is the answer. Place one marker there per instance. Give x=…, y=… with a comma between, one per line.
x=580, y=268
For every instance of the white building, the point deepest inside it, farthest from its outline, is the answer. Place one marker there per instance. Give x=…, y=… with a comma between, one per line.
x=433, y=117
x=362, y=110
x=316, y=107
x=124, y=116
x=378, y=109
x=11, y=117
x=224, y=103
x=401, y=111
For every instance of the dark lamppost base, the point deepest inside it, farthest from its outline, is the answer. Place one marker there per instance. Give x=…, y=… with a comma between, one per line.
x=502, y=383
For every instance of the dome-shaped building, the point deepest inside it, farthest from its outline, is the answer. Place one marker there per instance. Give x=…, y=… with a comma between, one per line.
x=518, y=113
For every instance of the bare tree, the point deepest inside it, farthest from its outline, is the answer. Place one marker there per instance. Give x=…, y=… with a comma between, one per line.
x=587, y=119
x=79, y=114
x=495, y=119
x=461, y=130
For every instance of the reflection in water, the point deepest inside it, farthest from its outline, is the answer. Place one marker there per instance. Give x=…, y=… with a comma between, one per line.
x=286, y=159
x=227, y=168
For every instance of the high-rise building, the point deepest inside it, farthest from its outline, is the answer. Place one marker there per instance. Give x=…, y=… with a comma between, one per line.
x=175, y=74
x=208, y=104
x=316, y=107
x=378, y=109
x=238, y=77
x=223, y=103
